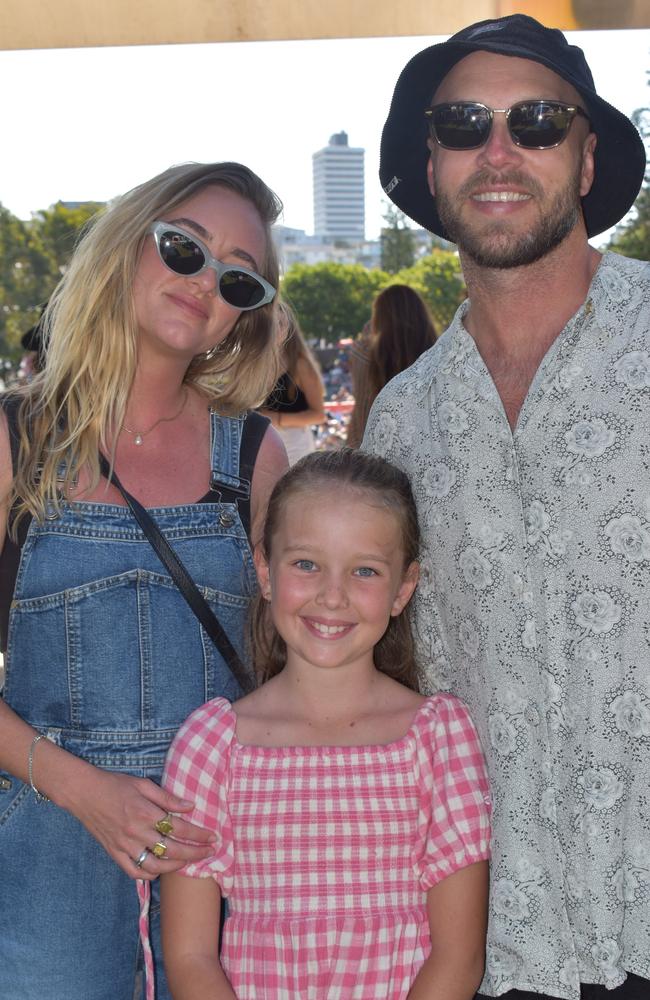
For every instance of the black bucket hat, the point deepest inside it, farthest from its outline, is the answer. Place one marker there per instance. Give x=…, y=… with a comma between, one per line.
x=619, y=159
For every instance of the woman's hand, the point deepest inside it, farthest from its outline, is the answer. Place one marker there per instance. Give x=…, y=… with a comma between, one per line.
x=121, y=813
x=118, y=810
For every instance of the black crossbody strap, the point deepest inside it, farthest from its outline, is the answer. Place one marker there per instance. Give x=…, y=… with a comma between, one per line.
x=255, y=427
x=183, y=581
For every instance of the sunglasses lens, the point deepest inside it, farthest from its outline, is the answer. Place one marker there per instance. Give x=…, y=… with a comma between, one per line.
x=460, y=126
x=240, y=289
x=180, y=253
x=539, y=124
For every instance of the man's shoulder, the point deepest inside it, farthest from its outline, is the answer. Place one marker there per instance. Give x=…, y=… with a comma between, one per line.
x=626, y=268
x=620, y=295
x=631, y=264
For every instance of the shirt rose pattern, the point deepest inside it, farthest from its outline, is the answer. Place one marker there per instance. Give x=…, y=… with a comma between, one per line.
x=534, y=608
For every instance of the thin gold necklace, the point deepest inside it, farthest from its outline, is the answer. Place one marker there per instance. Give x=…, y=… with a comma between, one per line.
x=139, y=436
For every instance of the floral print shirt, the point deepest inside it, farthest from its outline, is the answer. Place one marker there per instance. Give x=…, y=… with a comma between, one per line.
x=534, y=608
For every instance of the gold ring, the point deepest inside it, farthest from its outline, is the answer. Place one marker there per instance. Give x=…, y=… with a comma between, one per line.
x=164, y=826
x=160, y=849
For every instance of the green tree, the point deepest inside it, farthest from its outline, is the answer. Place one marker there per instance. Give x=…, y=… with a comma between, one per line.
x=33, y=256
x=332, y=300
x=632, y=236
x=60, y=227
x=25, y=270
x=397, y=241
x=439, y=280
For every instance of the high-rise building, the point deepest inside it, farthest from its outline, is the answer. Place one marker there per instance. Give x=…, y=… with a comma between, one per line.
x=339, y=206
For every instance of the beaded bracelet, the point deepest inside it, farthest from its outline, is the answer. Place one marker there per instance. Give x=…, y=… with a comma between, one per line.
x=30, y=764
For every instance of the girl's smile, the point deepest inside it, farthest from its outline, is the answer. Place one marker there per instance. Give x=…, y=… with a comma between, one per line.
x=328, y=629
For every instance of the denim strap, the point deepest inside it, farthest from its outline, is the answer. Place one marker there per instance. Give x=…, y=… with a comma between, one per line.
x=225, y=443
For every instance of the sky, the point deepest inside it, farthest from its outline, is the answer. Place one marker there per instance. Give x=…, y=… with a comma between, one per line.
x=88, y=124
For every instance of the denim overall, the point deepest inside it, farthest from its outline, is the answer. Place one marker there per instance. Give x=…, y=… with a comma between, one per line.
x=107, y=660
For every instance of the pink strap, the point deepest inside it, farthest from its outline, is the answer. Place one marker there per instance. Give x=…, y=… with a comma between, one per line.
x=144, y=895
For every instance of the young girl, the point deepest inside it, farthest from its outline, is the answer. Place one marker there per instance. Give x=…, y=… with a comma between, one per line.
x=350, y=814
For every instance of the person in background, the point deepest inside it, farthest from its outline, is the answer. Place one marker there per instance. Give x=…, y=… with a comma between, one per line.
x=400, y=330
x=297, y=402
x=31, y=341
x=525, y=435
x=160, y=341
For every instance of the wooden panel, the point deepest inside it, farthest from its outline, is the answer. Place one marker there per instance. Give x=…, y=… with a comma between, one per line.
x=71, y=23
x=29, y=24
x=580, y=14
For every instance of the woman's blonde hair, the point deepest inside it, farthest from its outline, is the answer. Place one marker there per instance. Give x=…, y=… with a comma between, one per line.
x=377, y=482
x=71, y=408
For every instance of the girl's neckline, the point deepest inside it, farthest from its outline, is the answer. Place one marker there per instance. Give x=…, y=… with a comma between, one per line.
x=293, y=748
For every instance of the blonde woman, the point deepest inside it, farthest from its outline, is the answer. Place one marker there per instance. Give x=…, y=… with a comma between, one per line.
x=159, y=341
x=297, y=401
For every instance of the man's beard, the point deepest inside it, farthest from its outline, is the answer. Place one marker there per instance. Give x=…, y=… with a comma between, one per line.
x=496, y=245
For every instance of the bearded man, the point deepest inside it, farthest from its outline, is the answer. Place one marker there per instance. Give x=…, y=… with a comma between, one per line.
x=526, y=433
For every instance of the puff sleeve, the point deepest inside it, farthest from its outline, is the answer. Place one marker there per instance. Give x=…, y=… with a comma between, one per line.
x=197, y=769
x=454, y=812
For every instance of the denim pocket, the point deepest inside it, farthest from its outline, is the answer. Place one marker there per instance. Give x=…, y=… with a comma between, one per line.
x=13, y=796
x=126, y=654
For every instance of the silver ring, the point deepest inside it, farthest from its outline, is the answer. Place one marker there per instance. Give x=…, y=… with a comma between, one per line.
x=141, y=859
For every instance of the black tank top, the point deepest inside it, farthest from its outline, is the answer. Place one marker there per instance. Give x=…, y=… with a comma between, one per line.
x=286, y=396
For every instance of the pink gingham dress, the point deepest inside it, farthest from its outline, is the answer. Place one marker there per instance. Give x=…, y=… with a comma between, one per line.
x=325, y=854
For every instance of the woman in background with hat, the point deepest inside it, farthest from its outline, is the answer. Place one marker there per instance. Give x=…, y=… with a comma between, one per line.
x=159, y=341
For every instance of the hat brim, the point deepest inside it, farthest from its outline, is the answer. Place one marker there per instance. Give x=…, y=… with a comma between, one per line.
x=619, y=158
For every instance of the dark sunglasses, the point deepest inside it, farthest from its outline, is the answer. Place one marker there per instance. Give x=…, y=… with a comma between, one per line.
x=532, y=124
x=184, y=254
